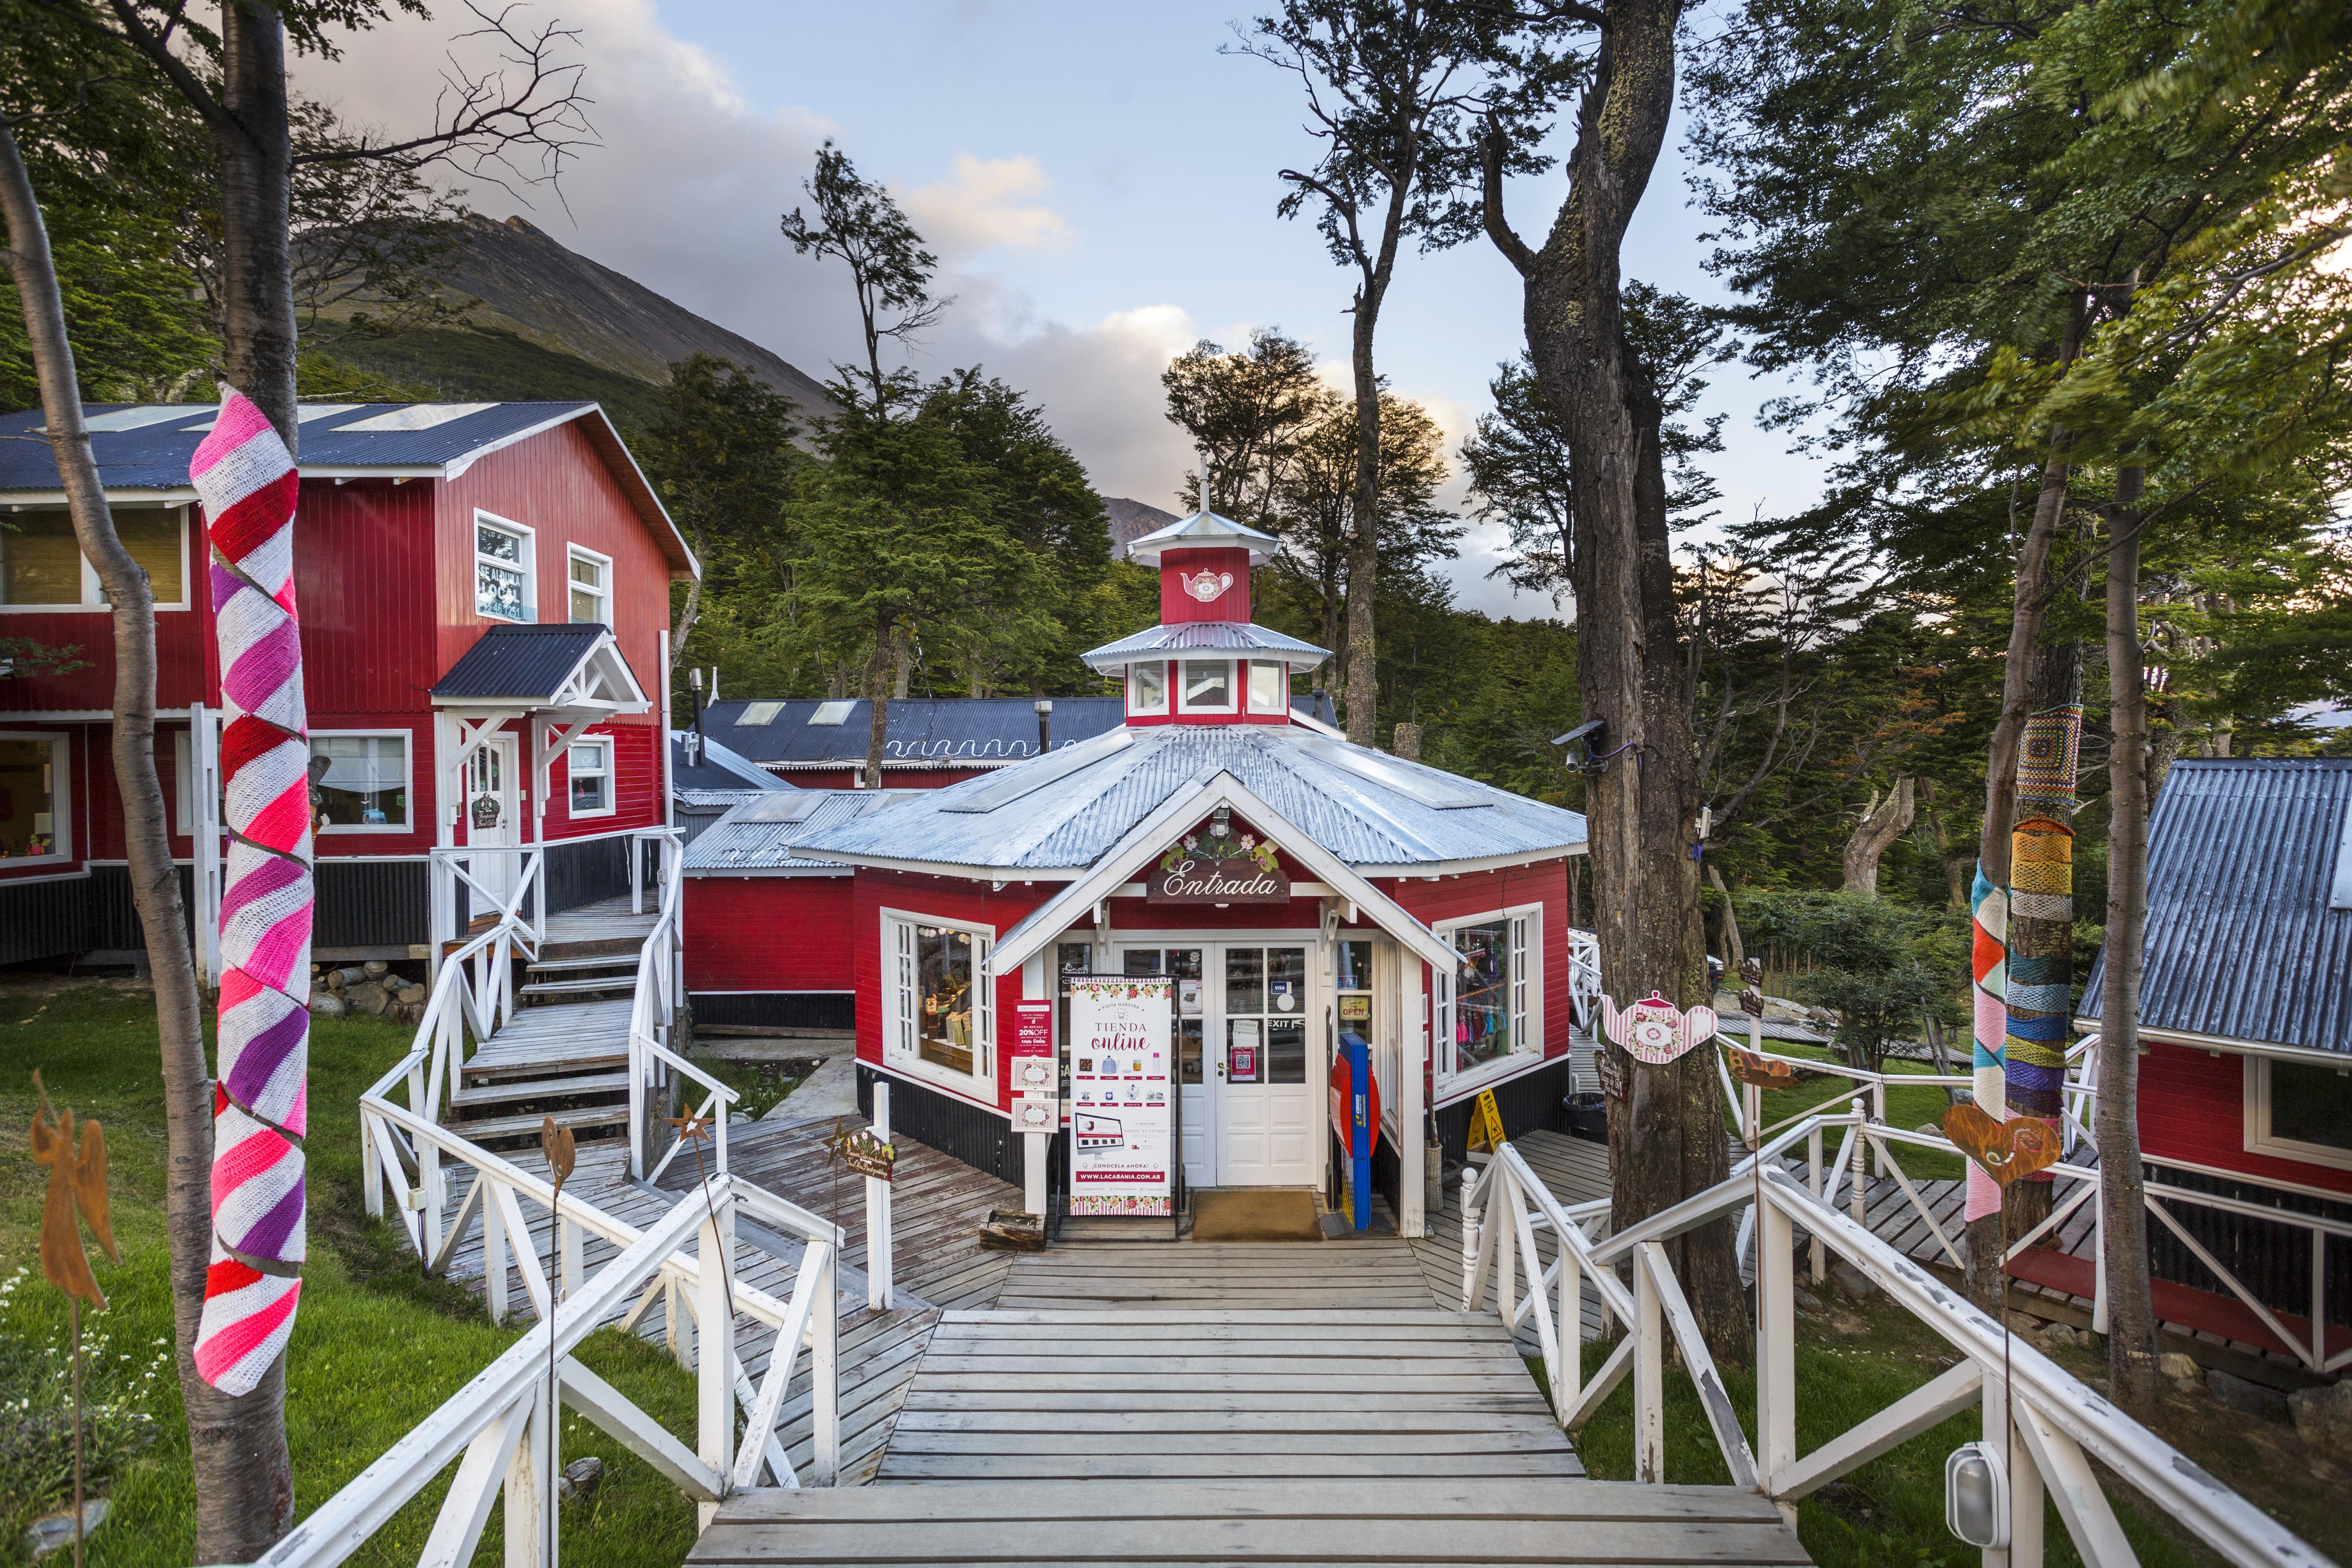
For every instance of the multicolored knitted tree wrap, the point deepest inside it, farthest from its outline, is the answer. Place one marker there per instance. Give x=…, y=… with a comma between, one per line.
x=246, y=481
x=2041, y=915
x=1987, y=969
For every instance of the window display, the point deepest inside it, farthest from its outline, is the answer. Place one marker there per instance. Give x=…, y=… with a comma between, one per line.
x=943, y=1025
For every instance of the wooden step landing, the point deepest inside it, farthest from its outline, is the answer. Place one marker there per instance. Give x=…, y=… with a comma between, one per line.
x=591, y=1118
x=1132, y=1396
x=544, y=1041
x=1369, y=1276
x=1350, y=1521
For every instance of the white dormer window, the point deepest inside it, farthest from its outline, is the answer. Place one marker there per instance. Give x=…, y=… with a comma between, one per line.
x=1269, y=687
x=1208, y=686
x=1147, y=688
x=591, y=586
x=502, y=584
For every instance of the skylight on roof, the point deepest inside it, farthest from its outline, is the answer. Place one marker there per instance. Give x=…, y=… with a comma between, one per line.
x=138, y=418
x=416, y=417
x=835, y=713
x=760, y=713
x=304, y=414
x=1423, y=785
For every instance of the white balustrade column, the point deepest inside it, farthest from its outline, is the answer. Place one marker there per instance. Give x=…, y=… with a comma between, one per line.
x=1649, y=1375
x=1776, y=1347
x=879, y=1280
x=715, y=1351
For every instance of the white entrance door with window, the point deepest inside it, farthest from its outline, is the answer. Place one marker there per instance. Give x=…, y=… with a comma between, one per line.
x=1248, y=1059
x=493, y=821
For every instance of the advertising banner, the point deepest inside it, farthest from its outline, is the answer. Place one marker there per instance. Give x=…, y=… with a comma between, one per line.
x=1122, y=1096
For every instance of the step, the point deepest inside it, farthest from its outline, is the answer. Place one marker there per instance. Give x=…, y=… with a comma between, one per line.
x=583, y=1118
x=609, y=948
x=512, y=1090
x=1518, y=1521
x=580, y=986
x=592, y=961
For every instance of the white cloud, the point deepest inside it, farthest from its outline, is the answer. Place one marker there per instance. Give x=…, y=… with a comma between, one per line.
x=979, y=208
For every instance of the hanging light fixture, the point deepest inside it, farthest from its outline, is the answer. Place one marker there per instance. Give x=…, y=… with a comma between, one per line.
x=1976, y=1496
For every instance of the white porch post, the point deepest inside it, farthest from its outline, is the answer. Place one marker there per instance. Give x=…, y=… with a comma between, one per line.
x=1413, y=1058
x=1036, y=1147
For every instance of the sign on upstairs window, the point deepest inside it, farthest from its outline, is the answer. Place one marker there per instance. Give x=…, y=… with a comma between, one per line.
x=502, y=587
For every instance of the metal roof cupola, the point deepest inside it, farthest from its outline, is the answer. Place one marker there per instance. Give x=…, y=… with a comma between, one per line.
x=1207, y=662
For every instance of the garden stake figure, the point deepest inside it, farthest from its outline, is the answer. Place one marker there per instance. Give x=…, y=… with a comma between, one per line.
x=77, y=1185
x=562, y=1153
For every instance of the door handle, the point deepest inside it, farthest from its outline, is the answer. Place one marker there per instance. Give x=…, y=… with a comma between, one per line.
x=1220, y=1068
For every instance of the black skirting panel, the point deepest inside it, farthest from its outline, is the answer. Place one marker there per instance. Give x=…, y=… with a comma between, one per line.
x=2271, y=1257
x=372, y=903
x=114, y=923
x=44, y=919
x=1526, y=1103
x=775, y=1009
x=580, y=873
x=981, y=1138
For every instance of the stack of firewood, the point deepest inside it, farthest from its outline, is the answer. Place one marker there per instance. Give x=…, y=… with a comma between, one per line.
x=370, y=987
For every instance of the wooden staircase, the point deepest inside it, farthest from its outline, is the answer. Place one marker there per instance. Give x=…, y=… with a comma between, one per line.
x=566, y=1052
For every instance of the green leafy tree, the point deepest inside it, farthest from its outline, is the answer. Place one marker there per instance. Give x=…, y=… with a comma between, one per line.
x=861, y=223
x=1886, y=969
x=1246, y=411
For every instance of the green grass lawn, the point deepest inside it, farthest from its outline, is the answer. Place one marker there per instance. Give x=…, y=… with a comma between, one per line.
x=1906, y=1108
x=376, y=1348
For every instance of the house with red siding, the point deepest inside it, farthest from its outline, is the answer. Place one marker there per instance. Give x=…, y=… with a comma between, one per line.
x=1281, y=896
x=2245, y=1026
x=485, y=609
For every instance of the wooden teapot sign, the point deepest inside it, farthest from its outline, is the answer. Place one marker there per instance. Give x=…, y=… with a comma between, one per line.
x=1655, y=1030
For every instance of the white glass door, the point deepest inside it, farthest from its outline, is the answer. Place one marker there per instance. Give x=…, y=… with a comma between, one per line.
x=492, y=821
x=1266, y=1121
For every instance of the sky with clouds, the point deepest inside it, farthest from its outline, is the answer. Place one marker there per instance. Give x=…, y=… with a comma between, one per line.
x=1099, y=181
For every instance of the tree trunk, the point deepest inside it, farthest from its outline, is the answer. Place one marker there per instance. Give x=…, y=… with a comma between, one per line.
x=1734, y=953
x=1364, y=543
x=259, y=341
x=1880, y=825
x=1666, y=1142
x=902, y=664
x=692, y=610
x=877, y=692
x=2131, y=1315
x=245, y=1483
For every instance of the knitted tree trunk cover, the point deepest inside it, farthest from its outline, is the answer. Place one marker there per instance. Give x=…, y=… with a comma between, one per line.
x=2041, y=915
x=247, y=482
x=1988, y=966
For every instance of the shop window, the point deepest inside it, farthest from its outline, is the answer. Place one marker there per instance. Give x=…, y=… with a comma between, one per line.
x=1495, y=1010
x=2299, y=1111
x=589, y=765
x=365, y=785
x=1147, y=688
x=41, y=565
x=502, y=587
x=1208, y=685
x=1181, y=965
x=1269, y=687
x=591, y=587
x=941, y=1018
x=33, y=809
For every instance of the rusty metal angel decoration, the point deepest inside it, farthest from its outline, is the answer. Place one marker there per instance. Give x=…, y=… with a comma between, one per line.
x=77, y=1195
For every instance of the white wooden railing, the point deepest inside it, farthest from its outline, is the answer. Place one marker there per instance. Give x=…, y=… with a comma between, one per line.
x=523, y=867
x=1584, y=977
x=2079, y=1184
x=2050, y=1425
x=499, y=1428
x=654, y=1068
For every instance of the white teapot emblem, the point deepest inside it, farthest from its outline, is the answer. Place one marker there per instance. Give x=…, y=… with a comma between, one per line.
x=1205, y=584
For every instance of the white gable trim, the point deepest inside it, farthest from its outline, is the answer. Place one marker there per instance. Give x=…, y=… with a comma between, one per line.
x=1150, y=836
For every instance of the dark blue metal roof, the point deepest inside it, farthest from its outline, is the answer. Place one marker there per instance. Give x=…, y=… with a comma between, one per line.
x=529, y=662
x=152, y=453
x=918, y=732
x=2244, y=939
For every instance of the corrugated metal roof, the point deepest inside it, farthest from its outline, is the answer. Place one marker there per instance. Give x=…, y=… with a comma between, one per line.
x=530, y=662
x=721, y=769
x=1204, y=530
x=1070, y=823
x=154, y=454
x=2241, y=943
x=1194, y=636
x=920, y=731
x=760, y=834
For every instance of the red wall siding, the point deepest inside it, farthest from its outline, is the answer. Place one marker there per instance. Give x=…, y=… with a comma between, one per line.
x=769, y=933
x=2192, y=1107
x=363, y=573
x=636, y=784
x=948, y=899
x=1177, y=606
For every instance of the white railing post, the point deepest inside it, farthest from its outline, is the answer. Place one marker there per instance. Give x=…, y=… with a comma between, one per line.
x=1502, y=1209
x=878, y=1281
x=530, y=1471
x=637, y=876
x=1776, y=1347
x=715, y=1350
x=1649, y=1375
x=1569, y=1382
x=1473, y=1242
x=371, y=1170
x=825, y=1371
x=1878, y=1114
x=494, y=1252
x=1819, y=1257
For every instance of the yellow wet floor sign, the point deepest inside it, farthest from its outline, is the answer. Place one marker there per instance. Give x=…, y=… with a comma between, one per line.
x=1486, y=1121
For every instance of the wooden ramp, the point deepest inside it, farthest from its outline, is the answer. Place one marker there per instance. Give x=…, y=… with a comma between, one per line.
x=1103, y=1275
x=1340, y=1522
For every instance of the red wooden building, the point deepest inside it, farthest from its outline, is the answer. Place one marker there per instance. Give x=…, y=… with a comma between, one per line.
x=485, y=601
x=1427, y=911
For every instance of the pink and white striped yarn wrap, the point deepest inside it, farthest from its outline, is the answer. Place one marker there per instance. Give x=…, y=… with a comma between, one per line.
x=248, y=483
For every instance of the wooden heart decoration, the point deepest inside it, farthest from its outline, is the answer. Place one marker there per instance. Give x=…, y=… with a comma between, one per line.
x=1750, y=1069
x=2009, y=1151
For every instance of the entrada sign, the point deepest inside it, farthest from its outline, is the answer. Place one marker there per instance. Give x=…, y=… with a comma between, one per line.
x=1219, y=868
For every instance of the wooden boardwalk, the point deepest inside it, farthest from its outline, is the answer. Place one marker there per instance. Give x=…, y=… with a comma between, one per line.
x=1104, y=1276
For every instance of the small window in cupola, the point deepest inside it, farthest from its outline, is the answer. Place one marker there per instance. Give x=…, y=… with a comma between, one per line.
x=1147, y=688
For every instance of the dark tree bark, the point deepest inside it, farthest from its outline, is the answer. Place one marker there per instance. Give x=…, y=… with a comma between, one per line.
x=877, y=693
x=1881, y=824
x=2131, y=1313
x=245, y=1483
x=1364, y=544
x=1667, y=1141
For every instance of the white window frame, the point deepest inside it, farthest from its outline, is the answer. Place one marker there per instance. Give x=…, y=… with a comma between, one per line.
x=21, y=869
x=184, y=801
x=603, y=564
x=529, y=564
x=407, y=738
x=1232, y=688
x=93, y=592
x=1281, y=673
x=1135, y=703
x=1526, y=1002
x=2259, y=1138
x=901, y=1050
x=612, y=790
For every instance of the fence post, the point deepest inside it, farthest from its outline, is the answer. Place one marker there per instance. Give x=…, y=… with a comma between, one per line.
x=714, y=1343
x=494, y=1252
x=371, y=1169
x=1649, y=1372
x=1570, y=1381
x=530, y=1470
x=1878, y=1114
x=1470, y=1291
x=825, y=1370
x=1776, y=1347
x=1820, y=1254
x=878, y=1281
x=1506, y=1248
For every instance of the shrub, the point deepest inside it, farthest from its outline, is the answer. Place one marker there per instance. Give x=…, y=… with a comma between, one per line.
x=1883, y=967
x=119, y=1388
